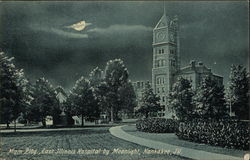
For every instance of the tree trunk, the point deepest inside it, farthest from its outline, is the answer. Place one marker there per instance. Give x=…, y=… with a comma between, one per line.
x=44, y=122
x=8, y=124
x=15, y=126
x=27, y=122
x=82, y=121
x=111, y=115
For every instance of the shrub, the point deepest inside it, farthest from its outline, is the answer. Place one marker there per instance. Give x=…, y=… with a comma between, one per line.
x=157, y=125
x=225, y=133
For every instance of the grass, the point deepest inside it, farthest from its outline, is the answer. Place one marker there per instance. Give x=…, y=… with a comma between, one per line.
x=88, y=138
x=171, y=138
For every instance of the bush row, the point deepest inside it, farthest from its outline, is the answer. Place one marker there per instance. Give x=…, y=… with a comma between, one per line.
x=157, y=125
x=225, y=133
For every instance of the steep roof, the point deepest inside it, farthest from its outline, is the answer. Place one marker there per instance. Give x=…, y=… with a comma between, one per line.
x=163, y=22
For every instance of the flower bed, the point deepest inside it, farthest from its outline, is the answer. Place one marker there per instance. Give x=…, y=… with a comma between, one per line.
x=157, y=125
x=225, y=133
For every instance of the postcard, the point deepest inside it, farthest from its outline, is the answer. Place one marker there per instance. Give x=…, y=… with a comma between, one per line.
x=124, y=80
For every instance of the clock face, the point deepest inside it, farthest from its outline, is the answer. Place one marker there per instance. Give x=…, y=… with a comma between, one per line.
x=160, y=36
x=171, y=37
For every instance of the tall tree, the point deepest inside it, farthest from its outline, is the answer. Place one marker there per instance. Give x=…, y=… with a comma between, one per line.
x=149, y=102
x=127, y=98
x=30, y=112
x=68, y=108
x=44, y=99
x=209, y=100
x=181, y=99
x=13, y=96
x=95, y=77
x=116, y=76
x=101, y=95
x=84, y=102
x=239, y=91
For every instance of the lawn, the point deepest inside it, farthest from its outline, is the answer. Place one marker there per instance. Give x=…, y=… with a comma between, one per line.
x=66, y=141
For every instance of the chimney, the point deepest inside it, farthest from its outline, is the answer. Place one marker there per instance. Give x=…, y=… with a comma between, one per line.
x=192, y=63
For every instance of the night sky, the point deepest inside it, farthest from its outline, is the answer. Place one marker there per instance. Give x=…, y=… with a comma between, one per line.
x=35, y=33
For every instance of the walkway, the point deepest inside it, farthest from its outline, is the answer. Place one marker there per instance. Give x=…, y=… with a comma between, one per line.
x=185, y=152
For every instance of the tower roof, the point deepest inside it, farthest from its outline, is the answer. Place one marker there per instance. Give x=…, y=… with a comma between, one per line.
x=163, y=22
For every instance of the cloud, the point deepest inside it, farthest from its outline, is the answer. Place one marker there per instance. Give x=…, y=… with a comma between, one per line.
x=59, y=32
x=68, y=34
x=79, y=26
x=120, y=29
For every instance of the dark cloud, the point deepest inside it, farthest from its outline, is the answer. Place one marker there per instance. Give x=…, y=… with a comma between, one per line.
x=35, y=34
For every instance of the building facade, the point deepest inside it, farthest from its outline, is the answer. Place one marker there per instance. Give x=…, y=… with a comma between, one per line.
x=167, y=68
x=166, y=63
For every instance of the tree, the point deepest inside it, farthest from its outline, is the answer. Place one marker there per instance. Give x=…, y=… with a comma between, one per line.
x=101, y=95
x=30, y=112
x=12, y=90
x=127, y=98
x=239, y=91
x=44, y=99
x=149, y=102
x=84, y=102
x=57, y=108
x=68, y=108
x=116, y=76
x=209, y=100
x=181, y=99
x=95, y=77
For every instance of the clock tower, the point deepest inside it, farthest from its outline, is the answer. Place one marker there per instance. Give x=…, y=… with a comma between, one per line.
x=165, y=58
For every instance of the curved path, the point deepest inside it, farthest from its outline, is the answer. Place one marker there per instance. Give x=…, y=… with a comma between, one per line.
x=185, y=152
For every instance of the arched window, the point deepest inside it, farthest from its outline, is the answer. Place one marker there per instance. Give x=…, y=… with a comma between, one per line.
x=158, y=80
x=163, y=89
x=157, y=64
x=160, y=63
x=163, y=62
x=163, y=99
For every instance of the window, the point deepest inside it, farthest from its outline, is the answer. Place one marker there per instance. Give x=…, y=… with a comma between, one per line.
x=172, y=62
x=163, y=62
x=160, y=63
x=159, y=51
x=157, y=64
x=172, y=51
x=162, y=50
x=163, y=89
x=158, y=90
x=158, y=80
x=163, y=99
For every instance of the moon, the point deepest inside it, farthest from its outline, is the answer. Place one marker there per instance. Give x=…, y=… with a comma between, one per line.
x=79, y=26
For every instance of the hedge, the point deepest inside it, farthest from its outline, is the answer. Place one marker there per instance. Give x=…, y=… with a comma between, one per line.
x=225, y=133
x=157, y=125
